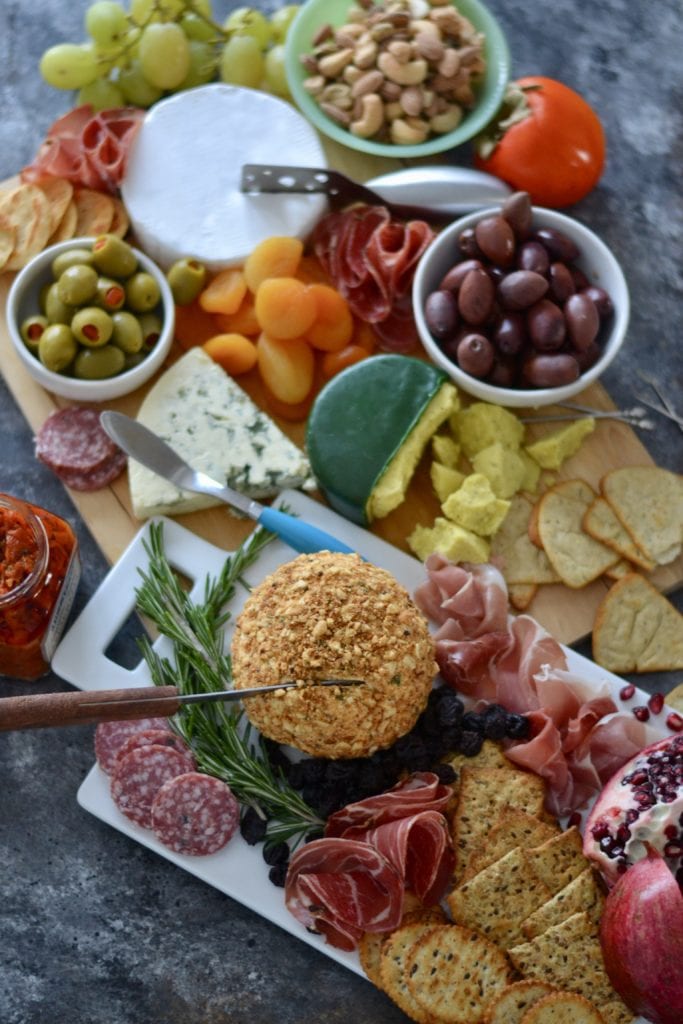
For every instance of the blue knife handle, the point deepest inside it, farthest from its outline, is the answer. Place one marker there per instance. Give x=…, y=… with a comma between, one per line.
x=300, y=535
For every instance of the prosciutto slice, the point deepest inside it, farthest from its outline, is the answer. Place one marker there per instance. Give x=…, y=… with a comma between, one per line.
x=421, y=791
x=419, y=848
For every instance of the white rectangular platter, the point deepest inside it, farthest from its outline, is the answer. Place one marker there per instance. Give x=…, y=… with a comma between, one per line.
x=238, y=870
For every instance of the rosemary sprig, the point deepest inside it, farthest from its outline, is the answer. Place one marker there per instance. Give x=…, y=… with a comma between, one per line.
x=223, y=744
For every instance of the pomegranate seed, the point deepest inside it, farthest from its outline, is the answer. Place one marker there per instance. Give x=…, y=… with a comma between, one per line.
x=673, y=849
x=674, y=721
x=622, y=865
x=574, y=819
x=671, y=832
x=626, y=692
x=600, y=830
x=642, y=713
x=624, y=833
x=632, y=815
x=656, y=703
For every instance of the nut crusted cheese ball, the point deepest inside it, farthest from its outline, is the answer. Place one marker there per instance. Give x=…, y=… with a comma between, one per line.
x=333, y=616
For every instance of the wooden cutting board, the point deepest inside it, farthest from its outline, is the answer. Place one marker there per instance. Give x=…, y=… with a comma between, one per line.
x=567, y=614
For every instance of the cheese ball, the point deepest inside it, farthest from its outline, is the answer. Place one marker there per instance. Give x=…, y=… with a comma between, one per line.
x=333, y=616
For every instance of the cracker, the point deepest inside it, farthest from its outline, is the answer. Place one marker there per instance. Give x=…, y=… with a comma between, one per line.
x=513, y=827
x=577, y=558
x=94, y=212
x=674, y=698
x=616, y=1012
x=483, y=794
x=121, y=222
x=619, y=569
x=7, y=237
x=583, y=893
x=393, y=967
x=568, y=956
x=532, y=526
x=521, y=561
x=453, y=973
x=499, y=898
x=648, y=501
x=521, y=595
x=637, y=629
x=602, y=523
x=510, y=1005
x=66, y=228
x=58, y=192
x=25, y=210
x=559, y=860
x=563, y=1008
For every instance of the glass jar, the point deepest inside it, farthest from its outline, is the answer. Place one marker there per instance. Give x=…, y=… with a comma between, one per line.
x=39, y=573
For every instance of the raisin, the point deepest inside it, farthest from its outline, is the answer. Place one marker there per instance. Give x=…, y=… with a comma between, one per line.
x=278, y=875
x=517, y=727
x=472, y=722
x=495, y=724
x=253, y=827
x=471, y=743
x=446, y=773
x=276, y=853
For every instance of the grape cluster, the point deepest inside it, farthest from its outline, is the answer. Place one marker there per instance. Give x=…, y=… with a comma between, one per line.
x=135, y=57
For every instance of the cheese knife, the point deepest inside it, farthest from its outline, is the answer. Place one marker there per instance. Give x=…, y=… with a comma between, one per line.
x=146, y=447
x=85, y=707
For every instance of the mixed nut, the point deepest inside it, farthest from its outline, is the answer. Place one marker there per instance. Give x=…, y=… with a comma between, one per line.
x=398, y=71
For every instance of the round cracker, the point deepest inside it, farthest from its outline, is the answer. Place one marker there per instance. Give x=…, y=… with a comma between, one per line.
x=26, y=209
x=66, y=228
x=121, y=222
x=58, y=192
x=94, y=212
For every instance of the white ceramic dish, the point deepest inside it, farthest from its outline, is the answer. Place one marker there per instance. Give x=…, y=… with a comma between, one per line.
x=23, y=301
x=596, y=260
x=238, y=870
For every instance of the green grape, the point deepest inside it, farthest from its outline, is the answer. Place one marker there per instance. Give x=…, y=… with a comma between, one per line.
x=102, y=94
x=242, y=62
x=68, y=66
x=203, y=65
x=200, y=6
x=135, y=87
x=164, y=55
x=142, y=12
x=245, y=21
x=195, y=27
x=106, y=23
x=274, y=71
x=282, y=19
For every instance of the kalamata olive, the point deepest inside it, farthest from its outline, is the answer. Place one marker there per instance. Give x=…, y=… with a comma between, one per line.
x=456, y=275
x=521, y=289
x=561, y=282
x=583, y=322
x=517, y=212
x=475, y=355
x=603, y=302
x=580, y=280
x=557, y=244
x=496, y=273
x=551, y=371
x=441, y=314
x=467, y=244
x=503, y=372
x=450, y=347
x=475, y=298
x=546, y=326
x=510, y=334
x=532, y=256
x=588, y=357
x=496, y=239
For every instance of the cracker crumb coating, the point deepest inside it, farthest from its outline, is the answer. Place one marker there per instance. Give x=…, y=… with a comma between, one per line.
x=334, y=616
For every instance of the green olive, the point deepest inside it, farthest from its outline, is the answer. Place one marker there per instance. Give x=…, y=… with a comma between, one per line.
x=57, y=348
x=151, y=329
x=69, y=259
x=142, y=292
x=77, y=284
x=134, y=359
x=56, y=311
x=42, y=294
x=111, y=294
x=98, y=363
x=186, y=278
x=92, y=326
x=127, y=333
x=113, y=256
x=32, y=331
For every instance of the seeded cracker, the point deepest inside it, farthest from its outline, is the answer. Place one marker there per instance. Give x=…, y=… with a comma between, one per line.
x=370, y=945
x=454, y=972
x=576, y=558
x=511, y=828
x=521, y=561
x=637, y=629
x=521, y=595
x=649, y=502
x=583, y=893
x=563, y=1008
x=601, y=522
x=512, y=1003
x=393, y=974
x=499, y=898
x=559, y=860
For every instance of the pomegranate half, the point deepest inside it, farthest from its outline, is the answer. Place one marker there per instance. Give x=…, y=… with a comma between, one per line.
x=640, y=808
x=641, y=932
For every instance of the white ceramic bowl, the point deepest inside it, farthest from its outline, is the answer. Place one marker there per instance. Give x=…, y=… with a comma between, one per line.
x=597, y=262
x=23, y=301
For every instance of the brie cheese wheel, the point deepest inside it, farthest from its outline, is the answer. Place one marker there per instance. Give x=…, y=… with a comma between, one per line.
x=213, y=424
x=182, y=182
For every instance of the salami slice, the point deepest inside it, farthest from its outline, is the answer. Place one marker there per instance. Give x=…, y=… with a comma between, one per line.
x=110, y=737
x=195, y=814
x=95, y=479
x=137, y=778
x=162, y=738
x=74, y=445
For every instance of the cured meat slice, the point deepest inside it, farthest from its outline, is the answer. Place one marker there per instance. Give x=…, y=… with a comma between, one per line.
x=162, y=738
x=73, y=444
x=421, y=791
x=137, y=778
x=110, y=737
x=420, y=849
x=195, y=814
x=95, y=479
x=341, y=888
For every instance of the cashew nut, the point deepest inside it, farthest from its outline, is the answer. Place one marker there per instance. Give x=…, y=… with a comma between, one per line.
x=449, y=64
x=314, y=85
x=446, y=121
x=334, y=63
x=365, y=54
x=371, y=119
x=412, y=100
x=412, y=73
x=401, y=50
x=408, y=132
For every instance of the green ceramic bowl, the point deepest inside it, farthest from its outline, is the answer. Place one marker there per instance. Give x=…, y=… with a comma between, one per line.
x=490, y=91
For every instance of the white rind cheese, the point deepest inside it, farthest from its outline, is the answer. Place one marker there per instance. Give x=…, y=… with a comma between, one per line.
x=212, y=424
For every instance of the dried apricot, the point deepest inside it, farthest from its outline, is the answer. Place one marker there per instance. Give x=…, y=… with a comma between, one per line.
x=286, y=367
x=333, y=325
x=224, y=293
x=364, y=336
x=292, y=412
x=334, y=362
x=311, y=271
x=278, y=256
x=285, y=308
x=242, y=322
x=234, y=352
x=193, y=326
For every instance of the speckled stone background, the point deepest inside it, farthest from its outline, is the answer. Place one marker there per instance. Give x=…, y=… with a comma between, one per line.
x=94, y=929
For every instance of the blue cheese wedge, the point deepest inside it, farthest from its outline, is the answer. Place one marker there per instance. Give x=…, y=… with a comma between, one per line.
x=212, y=424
